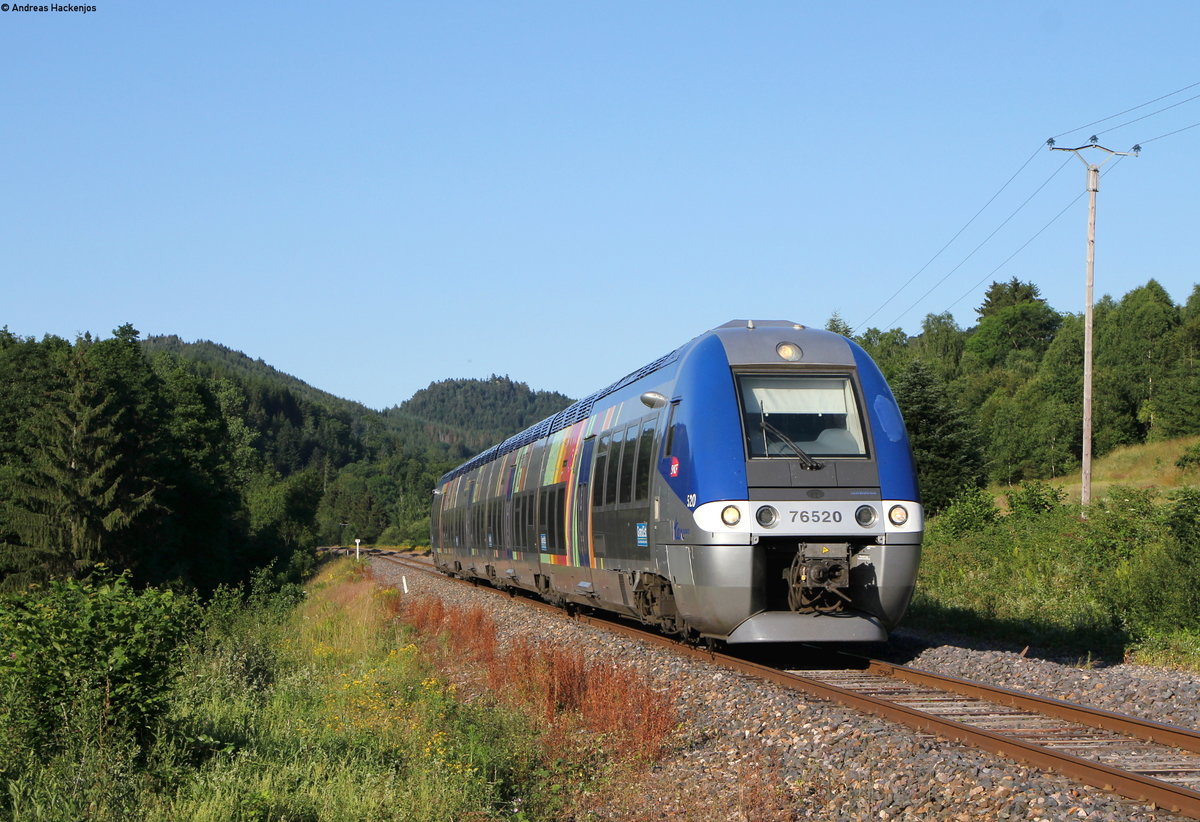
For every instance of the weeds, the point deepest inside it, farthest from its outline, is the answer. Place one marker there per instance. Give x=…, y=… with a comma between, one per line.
x=288, y=706
x=583, y=709
x=1123, y=582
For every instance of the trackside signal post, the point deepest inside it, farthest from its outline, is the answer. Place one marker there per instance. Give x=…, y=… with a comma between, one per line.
x=1093, y=185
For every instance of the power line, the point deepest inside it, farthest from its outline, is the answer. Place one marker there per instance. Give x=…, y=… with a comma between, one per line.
x=948, y=242
x=1037, y=234
x=1168, y=134
x=1151, y=114
x=985, y=241
x=1002, y=188
x=1126, y=111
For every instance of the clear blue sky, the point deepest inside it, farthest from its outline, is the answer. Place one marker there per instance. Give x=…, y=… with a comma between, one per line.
x=373, y=196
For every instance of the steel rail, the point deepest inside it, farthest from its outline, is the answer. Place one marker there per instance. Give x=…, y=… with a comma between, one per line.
x=1147, y=729
x=1131, y=785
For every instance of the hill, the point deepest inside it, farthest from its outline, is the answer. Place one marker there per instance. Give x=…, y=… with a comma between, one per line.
x=450, y=420
x=488, y=410
x=216, y=358
x=1146, y=465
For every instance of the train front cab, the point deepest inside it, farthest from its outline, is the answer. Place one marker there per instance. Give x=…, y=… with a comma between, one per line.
x=807, y=520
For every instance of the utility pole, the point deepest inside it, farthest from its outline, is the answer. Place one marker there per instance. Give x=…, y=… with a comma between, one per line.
x=1093, y=185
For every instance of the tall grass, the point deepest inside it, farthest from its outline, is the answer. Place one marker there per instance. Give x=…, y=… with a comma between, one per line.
x=309, y=704
x=346, y=720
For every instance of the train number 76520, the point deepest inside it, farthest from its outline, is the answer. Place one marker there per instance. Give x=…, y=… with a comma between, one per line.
x=816, y=516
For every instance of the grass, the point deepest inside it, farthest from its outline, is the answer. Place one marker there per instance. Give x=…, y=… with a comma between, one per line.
x=1124, y=583
x=1149, y=465
x=352, y=722
x=352, y=701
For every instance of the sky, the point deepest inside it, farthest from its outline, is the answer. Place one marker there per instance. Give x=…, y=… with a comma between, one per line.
x=372, y=196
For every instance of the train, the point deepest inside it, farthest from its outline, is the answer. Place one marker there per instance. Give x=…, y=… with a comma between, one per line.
x=755, y=485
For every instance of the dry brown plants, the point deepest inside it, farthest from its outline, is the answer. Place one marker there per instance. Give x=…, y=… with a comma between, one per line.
x=612, y=705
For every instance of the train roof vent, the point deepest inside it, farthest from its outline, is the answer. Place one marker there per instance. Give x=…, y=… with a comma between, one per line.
x=752, y=324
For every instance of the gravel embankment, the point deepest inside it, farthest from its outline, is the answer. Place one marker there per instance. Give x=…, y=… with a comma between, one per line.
x=1160, y=694
x=754, y=751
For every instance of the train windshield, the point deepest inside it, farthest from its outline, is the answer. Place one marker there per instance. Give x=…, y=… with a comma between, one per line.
x=815, y=414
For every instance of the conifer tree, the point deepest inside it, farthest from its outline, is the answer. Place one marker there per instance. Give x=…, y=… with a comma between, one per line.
x=838, y=326
x=72, y=496
x=944, y=443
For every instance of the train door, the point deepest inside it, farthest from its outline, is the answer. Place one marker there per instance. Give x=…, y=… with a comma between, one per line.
x=470, y=527
x=583, y=505
x=508, y=540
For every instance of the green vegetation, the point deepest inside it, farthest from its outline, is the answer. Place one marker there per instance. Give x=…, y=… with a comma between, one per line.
x=283, y=703
x=1124, y=582
x=194, y=464
x=1002, y=403
x=1014, y=382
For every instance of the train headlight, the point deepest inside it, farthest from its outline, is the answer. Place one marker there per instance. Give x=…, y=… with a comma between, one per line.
x=730, y=515
x=898, y=514
x=788, y=351
x=767, y=516
x=865, y=516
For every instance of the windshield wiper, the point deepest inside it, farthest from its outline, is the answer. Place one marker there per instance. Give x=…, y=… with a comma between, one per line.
x=805, y=460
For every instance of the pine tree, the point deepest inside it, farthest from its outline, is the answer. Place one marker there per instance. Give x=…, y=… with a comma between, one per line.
x=1002, y=295
x=72, y=495
x=944, y=443
x=838, y=326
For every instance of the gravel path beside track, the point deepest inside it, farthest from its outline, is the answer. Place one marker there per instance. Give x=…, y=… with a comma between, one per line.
x=753, y=751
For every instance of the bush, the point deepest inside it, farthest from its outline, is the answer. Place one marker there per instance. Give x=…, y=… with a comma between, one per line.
x=1034, y=497
x=1119, y=525
x=969, y=511
x=88, y=657
x=1182, y=517
x=1144, y=559
x=1189, y=459
x=1124, y=580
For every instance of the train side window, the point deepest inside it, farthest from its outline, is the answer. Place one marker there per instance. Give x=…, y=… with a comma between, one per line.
x=669, y=447
x=598, y=473
x=552, y=515
x=614, y=464
x=552, y=520
x=628, y=462
x=526, y=519
x=545, y=516
x=560, y=513
x=644, y=461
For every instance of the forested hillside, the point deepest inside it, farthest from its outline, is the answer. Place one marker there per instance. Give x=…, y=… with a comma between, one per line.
x=492, y=409
x=191, y=462
x=1002, y=401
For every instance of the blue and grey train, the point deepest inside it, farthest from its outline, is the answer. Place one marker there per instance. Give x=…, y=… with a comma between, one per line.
x=754, y=485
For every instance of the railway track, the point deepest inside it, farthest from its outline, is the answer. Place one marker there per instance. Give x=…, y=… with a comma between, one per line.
x=1136, y=758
